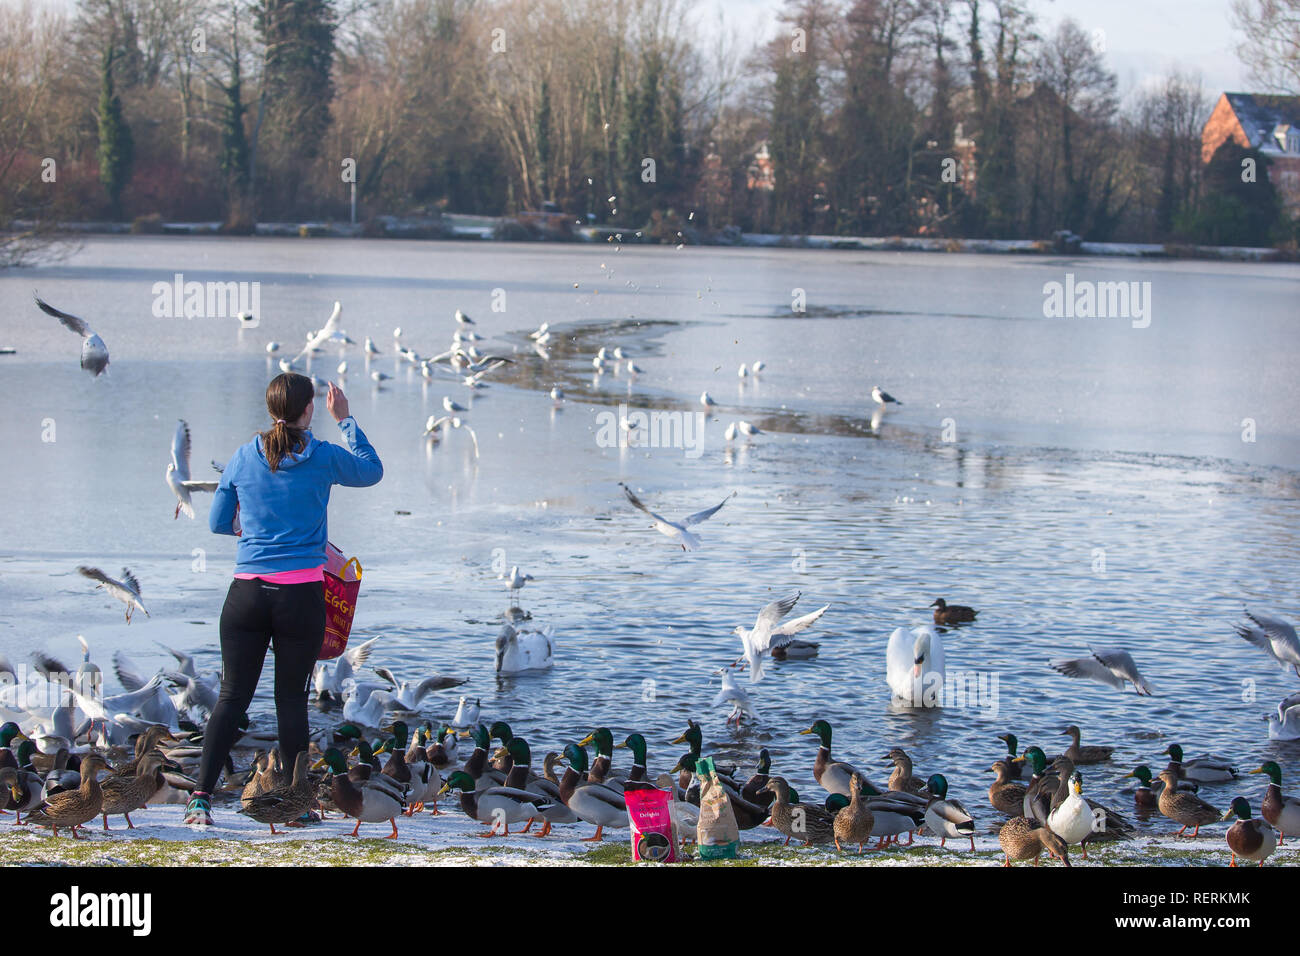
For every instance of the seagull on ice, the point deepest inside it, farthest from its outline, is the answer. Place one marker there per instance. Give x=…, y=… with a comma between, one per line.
x=735, y=695
x=883, y=398
x=758, y=366
x=744, y=371
x=178, y=472
x=126, y=590
x=707, y=400
x=463, y=319
x=675, y=530
x=1273, y=636
x=272, y=348
x=370, y=346
x=1113, y=667
x=742, y=428
x=379, y=377
x=557, y=396
x=453, y=407
x=768, y=633
x=94, y=353
x=541, y=333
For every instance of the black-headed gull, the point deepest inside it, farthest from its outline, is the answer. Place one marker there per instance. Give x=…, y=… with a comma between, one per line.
x=768, y=633
x=675, y=530
x=882, y=397
x=1273, y=636
x=127, y=590
x=1109, y=666
x=735, y=695
x=94, y=353
x=178, y=472
x=327, y=332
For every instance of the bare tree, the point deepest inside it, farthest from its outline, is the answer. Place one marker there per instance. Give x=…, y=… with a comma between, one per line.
x=1270, y=44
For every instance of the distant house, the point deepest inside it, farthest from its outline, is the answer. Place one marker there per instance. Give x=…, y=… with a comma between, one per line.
x=1270, y=124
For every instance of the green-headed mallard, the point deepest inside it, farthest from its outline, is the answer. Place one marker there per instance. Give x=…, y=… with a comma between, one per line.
x=748, y=815
x=833, y=776
x=1250, y=839
x=1006, y=795
x=854, y=823
x=1014, y=765
x=357, y=793
x=593, y=803
x=1281, y=811
x=753, y=790
x=1144, y=797
x=521, y=776
x=1079, y=754
x=902, y=777
x=286, y=802
x=635, y=743
x=1210, y=769
x=23, y=789
x=444, y=754
x=602, y=768
x=1182, y=807
x=810, y=824
x=1023, y=839
x=124, y=794
x=1042, y=785
x=72, y=808
x=944, y=817
x=496, y=806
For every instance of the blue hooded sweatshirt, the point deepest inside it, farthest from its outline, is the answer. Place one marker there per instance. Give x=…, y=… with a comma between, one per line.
x=283, y=513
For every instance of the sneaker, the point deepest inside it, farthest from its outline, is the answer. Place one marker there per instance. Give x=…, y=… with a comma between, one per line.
x=198, y=812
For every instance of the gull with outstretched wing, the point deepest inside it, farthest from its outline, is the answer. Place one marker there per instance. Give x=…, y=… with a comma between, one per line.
x=1109, y=666
x=94, y=353
x=674, y=529
x=178, y=472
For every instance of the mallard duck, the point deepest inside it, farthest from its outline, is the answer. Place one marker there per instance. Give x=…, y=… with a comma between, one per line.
x=949, y=614
x=1182, y=807
x=286, y=802
x=444, y=753
x=1014, y=766
x=635, y=743
x=753, y=790
x=593, y=803
x=895, y=812
x=811, y=824
x=1281, y=811
x=74, y=807
x=497, y=806
x=748, y=815
x=947, y=818
x=425, y=779
x=602, y=768
x=23, y=790
x=833, y=776
x=357, y=794
x=854, y=823
x=1084, y=755
x=796, y=650
x=1006, y=796
x=1144, y=797
x=124, y=794
x=1042, y=785
x=262, y=776
x=1023, y=839
x=902, y=777
x=1208, y=769
x=522, y=777
x=1250, y=839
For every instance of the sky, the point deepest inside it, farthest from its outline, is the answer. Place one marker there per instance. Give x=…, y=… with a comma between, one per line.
x=1143, y=38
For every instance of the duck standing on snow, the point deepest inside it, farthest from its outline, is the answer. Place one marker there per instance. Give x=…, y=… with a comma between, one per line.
x=1182, y=807
x=1006, y=795
x=496, y=806
x=854, y=823
x=1023, y=839
x=592, y=803
x=832, y=775
x=947, y=818
x=1072, y=819
x=1250, y=839
x=811, y=824
x=1281, y=811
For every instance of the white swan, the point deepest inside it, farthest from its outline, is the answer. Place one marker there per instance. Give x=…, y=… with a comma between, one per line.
x=914, y=666
x=523, y=650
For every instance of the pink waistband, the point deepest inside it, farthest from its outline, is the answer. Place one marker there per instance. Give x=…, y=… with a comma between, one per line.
x=301, y=576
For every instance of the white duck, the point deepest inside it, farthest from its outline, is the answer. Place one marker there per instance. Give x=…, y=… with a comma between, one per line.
x=914, y=666
x=1073, y=819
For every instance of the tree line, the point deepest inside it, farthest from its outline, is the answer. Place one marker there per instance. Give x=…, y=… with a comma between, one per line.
x=878, y=117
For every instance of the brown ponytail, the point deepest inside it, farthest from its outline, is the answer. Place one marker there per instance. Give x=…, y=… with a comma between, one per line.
x=287, y=397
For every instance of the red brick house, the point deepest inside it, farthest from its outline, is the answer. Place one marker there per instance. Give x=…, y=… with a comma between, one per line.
x=1270, y=124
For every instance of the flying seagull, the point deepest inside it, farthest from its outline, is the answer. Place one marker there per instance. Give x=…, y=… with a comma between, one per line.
x=1113, y=667
x=1273, y=636
x=675, y=530
x=768, y=633
x=94, y=353
x=178, y=472
x=126, y=590
x=327, y=332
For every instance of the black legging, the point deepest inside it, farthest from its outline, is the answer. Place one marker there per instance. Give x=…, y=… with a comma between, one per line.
x=288, y=617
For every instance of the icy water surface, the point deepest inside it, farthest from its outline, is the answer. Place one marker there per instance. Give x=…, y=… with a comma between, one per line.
x=1098, y=489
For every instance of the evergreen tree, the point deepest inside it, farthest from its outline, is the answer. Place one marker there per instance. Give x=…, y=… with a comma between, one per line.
x=116, y=148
